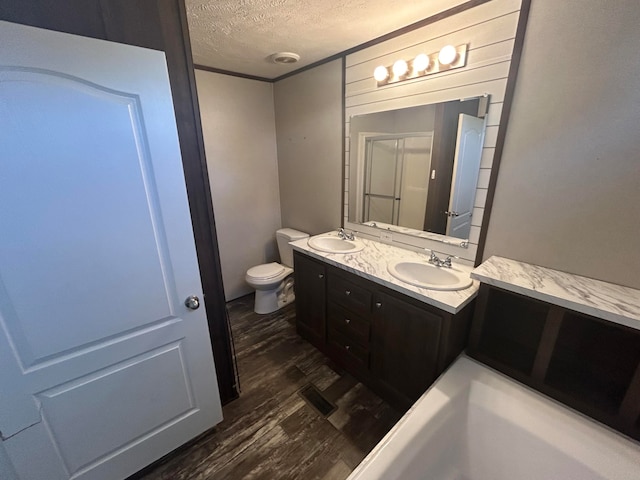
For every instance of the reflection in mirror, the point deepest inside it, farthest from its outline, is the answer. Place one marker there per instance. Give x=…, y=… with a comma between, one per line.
x=394, y=167
x=416, y=169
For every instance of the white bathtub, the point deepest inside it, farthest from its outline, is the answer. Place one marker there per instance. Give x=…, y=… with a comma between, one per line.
x=476, y=424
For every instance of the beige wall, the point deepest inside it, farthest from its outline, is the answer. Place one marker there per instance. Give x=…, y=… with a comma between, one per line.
x=309, y=136
x=569, y=185
x=239, y=136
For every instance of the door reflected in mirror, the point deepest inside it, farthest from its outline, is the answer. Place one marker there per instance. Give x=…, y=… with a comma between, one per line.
x=416, y=169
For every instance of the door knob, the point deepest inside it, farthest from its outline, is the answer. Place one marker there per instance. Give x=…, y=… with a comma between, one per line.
x=192, y=302
x=347, y=292
x=320, y=275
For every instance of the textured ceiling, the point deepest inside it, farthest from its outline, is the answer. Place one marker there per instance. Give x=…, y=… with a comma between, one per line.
x=241, y=35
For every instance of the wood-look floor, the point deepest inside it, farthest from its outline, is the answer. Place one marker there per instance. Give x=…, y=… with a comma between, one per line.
x=270, y=432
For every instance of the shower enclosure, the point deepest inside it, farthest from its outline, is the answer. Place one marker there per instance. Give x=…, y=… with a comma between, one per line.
x=396, y=177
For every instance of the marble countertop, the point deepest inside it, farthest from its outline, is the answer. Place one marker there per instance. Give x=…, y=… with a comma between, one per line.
x=600, y=299
x=371, y=263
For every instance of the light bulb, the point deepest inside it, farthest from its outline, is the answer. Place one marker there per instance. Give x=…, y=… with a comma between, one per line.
x=400, y=68
x=380, y=73
x=421, y=62
x=447, y=55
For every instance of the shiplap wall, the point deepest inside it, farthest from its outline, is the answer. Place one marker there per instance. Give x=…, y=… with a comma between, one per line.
x=489, y=30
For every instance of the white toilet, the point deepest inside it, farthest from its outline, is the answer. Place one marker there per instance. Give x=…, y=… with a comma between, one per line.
x=273, y=281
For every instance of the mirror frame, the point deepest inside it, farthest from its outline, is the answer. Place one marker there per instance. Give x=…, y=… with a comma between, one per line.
x=354, y=166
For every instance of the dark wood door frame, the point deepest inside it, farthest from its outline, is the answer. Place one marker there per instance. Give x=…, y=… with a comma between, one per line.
x=159, y=25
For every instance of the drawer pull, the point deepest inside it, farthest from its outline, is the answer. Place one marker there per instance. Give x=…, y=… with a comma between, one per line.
x=347, y=320
x=347, y=292
x=321, y=275
x=347, y=347
x=378, y=304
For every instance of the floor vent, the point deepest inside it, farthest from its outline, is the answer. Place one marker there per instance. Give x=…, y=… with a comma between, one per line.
x=316, y=400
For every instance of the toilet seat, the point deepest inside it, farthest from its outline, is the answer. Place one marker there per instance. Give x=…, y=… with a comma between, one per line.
x=262, y=276
x=265, y=271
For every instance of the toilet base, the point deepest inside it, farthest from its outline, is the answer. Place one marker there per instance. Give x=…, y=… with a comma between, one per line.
x=269, y=301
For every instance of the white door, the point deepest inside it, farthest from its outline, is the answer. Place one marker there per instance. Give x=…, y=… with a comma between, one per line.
x=103, y=367
x=466, y=167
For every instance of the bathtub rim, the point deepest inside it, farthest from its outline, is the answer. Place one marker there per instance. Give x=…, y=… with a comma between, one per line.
x=448, y=384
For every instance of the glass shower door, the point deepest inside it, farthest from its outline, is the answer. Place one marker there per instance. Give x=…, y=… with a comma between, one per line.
x=382, y=179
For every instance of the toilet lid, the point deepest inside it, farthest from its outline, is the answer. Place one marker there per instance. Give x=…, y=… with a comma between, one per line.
x=267, y=270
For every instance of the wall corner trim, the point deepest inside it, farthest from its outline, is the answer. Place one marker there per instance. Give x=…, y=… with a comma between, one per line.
x=504, y=124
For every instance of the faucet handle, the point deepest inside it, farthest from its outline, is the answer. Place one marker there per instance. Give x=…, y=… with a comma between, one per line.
x=438, y=262
x=344, y=235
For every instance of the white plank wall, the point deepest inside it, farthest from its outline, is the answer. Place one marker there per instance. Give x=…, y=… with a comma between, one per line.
x=490, y=31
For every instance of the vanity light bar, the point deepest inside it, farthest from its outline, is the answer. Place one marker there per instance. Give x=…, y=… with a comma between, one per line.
x=448, y=58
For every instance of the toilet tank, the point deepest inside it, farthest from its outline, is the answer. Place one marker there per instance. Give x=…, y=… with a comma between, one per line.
x=284, y=236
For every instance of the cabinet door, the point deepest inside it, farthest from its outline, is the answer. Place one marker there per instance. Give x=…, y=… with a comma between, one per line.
x=404, y=345
x=310, y=288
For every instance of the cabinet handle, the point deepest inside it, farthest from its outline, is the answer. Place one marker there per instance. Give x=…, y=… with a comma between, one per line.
x=321, y=275
x=347, y=347
x=347, y=292
x=347, y=320
x=378, y=304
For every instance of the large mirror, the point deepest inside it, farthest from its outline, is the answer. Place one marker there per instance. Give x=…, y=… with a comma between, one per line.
x=416, y=169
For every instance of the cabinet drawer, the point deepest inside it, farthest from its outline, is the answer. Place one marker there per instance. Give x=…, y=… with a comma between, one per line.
x=351, y=352
x=352, y=326
x=348, y=294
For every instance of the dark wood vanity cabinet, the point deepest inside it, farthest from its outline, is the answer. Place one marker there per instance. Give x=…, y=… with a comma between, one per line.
x=348, y=321
x=394, y=344
x=310, y=288
x=405, y=345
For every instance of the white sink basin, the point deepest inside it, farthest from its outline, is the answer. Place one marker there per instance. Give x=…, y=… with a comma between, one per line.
x=332, y=244
x=426, y=275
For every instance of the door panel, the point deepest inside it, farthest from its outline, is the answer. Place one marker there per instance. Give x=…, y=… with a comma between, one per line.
x=104, y=369
x=69, y=410
x=466, y=168
x=86, y=161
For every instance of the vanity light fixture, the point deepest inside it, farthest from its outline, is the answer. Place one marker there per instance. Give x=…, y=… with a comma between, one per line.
x=421, y=63
x=400, y=68
x=381, y=73
x=447, y=55
x=448, y=58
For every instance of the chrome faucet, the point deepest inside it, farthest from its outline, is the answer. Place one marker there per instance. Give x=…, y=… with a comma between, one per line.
x=344, y=235
x=438, y=262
